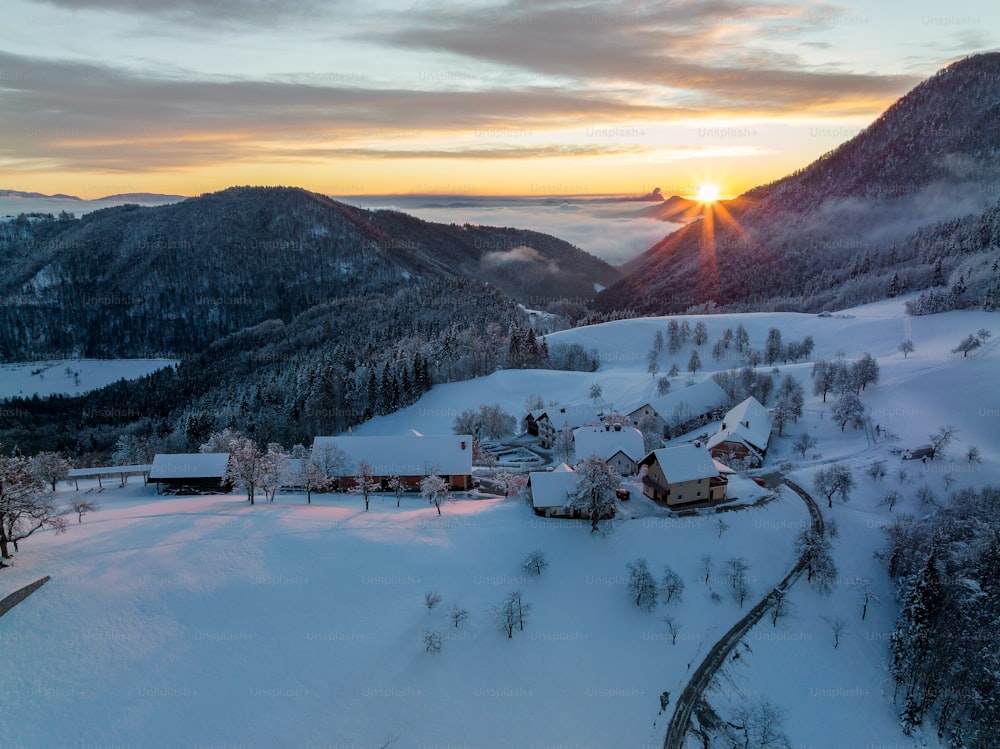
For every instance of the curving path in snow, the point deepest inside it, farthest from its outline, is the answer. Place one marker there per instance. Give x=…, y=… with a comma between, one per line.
x=680, y=722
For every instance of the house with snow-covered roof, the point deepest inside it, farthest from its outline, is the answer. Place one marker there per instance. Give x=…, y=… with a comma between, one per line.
x=546, y=423
x=621, y=446
x=682, y=409
x=744, y=435
x=551, y=491
x=683, y=474
x=190, y=473
x=410, y=456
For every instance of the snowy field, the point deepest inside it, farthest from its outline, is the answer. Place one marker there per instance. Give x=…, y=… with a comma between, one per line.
x=71, y=376
x=206, y=622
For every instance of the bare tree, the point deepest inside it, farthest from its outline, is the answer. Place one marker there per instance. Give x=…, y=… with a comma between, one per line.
x=82, y=506
x=50, y=467
x=706, y=568
x=780, y=605
x=721, y=526
x=803, y=444
x=672, y=585
x=431, y=599
x=973, y=455
x=926, y=497
x=738, y=569
x=673, y=628
x=435, y=489
x=274, y=469
x=906, y=347
x=457, y=615
x=535, y=563
x=759, y=725
x=25, y=504
x=513, y=612
x=332, y=461
x=833, y=480
x=876, y=471
x=837, y=626
x=890, y=499
x=868, y=598
x=967, y=344
x=941, y=439
x=641, y=585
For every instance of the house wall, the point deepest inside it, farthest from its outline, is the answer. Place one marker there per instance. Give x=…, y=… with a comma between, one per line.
x=623, y=464
x=732, y=451
x=656, y=487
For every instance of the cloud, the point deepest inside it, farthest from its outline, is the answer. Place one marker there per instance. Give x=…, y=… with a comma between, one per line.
x=609, y=230
x=78, y=115
x=708, y=55
x=237, y=12
x=522, y=254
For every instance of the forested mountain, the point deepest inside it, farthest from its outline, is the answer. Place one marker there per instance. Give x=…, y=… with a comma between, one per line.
x=170, y=280
x=899, y=199
x=330, y=368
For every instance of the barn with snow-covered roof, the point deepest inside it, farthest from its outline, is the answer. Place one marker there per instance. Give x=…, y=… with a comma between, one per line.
x=190, y=473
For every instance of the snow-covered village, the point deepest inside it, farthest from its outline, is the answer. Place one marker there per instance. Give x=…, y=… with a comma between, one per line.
x=558, y=374
x=705, y=532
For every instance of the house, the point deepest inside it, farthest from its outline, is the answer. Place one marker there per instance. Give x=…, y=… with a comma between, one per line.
x=546, y=423
x=683, y=474
x=621, y=446
x=743, y=436
x=683, y=409
x=552, y=490
x=411, y=457
x=190, y=473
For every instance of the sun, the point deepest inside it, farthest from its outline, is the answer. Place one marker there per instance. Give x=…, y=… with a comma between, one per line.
x=707, y=193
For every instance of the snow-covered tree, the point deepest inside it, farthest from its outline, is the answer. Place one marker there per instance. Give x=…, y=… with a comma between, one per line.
x=218, y=442
x=431, y=600
x=398, y=487
x=877, y=471
x=435, y=489
x=662, y=385
x=700, y=334
x=890, y=499
x=742, y=338
x=832, y=480
x=652, y=437
x=906, y=347
x=694, y=361
x=673, y=629
x=967, y=344
x=247, y=465
x=364, y=481
x=757, y=725
x=564, y=441
x=848, y=410
x=25, y=504
x=596, y=392
x=457, y=615
x=50, y=467
x=595, y=490
x=773, y=348
x=641, y=584
x=332, y=461
x=275, y=468
x=816, y=555
x=788, y=403
x=864, y=372
x=803, y=444
x=673, y=336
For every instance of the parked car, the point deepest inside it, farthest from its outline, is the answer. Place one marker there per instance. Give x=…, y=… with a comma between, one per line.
x=622, y=494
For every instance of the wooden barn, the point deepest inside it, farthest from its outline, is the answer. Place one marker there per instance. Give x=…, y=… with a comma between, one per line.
x=190, y=473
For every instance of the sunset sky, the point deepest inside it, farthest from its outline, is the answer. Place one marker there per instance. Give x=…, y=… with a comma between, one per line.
x=531, y=97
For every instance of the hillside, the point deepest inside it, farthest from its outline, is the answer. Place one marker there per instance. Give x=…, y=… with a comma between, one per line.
x=169, y=280
x=834, y=233
x=289, y=623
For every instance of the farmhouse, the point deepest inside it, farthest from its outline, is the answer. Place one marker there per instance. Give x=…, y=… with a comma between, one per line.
x=683, y=409
x=551, y=491
x=546, y=423
x=190, y=473
x=743, y=436
x=620, y=446
x=411, y=457
x=687, y=473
